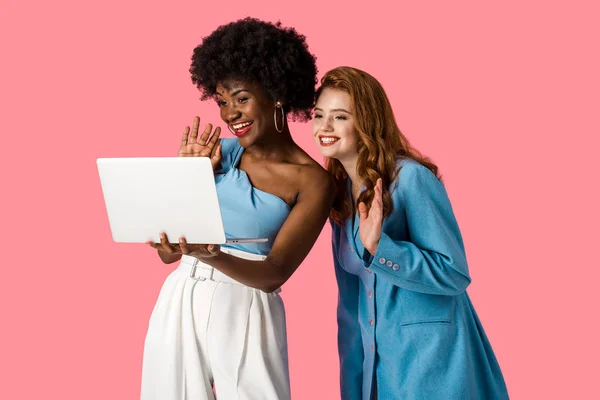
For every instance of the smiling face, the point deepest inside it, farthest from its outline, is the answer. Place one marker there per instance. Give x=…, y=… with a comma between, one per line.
x=333, y=125
x=246, y=109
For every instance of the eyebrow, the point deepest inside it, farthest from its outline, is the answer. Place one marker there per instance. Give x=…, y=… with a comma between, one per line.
x=235, y=93
x=335, y=110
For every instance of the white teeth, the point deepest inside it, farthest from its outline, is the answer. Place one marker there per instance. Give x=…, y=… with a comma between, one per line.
x=240, y=126
x=328, y=139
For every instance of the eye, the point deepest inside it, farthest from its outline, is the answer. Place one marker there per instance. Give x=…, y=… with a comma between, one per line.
x=341, y=117
x=317, y=116
x=242, y=100
x=221, y=103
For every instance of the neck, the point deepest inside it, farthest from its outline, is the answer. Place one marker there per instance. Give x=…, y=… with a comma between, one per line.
x=349, y=165
x=272, y=145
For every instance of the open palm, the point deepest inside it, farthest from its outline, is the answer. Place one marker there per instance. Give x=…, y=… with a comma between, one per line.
x=371, y=220
x=203, y=146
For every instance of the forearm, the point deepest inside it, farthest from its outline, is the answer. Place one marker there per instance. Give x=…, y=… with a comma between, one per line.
x=293, y=242
x=405, y=265
x=262, y=275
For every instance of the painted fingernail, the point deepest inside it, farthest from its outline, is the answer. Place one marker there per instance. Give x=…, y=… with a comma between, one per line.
x=210, y=247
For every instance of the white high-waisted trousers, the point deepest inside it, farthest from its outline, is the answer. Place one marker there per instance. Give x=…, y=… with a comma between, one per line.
x=208, y=328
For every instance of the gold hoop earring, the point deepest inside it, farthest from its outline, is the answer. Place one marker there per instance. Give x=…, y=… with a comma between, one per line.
x=280, y=106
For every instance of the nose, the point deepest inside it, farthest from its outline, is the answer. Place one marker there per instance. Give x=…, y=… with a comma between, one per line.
x=231, y=113
x=327, y=125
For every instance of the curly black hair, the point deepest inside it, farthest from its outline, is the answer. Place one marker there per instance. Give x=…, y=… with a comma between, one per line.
x=261, y=52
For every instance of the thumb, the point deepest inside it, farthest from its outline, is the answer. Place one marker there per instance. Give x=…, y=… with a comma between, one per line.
x=362, y=211
x=216, y=157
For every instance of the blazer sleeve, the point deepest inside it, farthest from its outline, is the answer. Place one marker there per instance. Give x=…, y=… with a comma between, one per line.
x=350, y=346
x=434, y=259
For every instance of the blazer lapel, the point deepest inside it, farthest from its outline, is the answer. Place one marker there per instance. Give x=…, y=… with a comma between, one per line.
x=352, y=223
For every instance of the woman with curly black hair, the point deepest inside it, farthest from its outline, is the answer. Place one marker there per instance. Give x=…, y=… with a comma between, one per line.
x=219, y=319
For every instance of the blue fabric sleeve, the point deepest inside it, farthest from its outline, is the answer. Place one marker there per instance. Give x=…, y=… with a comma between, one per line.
x=434, y=261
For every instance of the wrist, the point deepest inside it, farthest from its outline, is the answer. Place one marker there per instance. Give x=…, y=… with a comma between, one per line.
x=372, y=248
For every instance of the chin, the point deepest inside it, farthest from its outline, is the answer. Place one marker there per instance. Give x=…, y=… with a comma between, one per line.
x=245, y=141
x=325, y=152
x=250, y=138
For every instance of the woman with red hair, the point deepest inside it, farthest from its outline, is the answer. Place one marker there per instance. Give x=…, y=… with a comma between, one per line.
x=407, y=328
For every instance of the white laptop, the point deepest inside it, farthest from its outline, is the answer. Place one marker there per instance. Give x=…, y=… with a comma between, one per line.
x=175, y=195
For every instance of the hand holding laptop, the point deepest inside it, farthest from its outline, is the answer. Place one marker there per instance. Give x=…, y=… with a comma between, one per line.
x=195, y=250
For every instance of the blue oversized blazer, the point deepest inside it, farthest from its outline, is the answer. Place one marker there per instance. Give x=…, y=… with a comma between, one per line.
x=405, y=322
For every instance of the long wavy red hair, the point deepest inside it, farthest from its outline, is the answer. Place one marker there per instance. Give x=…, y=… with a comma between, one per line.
x=380, y=144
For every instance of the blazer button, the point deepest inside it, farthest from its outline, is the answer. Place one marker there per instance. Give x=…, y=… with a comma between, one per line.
x=389, y=263
x=395, y=267
x=382, y=260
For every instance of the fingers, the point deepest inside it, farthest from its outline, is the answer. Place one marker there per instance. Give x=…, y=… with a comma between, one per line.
x=191, y=136
x=376, y=209
x=214, y=249
x=165, y=245
x=377, y=205
x=194, y=135
x=184, y=138
x=217, y=154
x=205, y=135
x=215, y=158
x=215, y=144
x=377, y=189
x=214, y=138
x=184, y=246
x=199, y=250
x=362, y=211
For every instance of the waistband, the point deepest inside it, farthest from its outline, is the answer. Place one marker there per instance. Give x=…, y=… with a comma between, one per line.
x=199, y=270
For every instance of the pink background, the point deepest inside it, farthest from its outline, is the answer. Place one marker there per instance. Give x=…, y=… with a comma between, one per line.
x=503, y=97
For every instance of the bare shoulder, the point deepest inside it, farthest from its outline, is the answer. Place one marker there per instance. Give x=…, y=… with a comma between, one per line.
x=315, y=179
